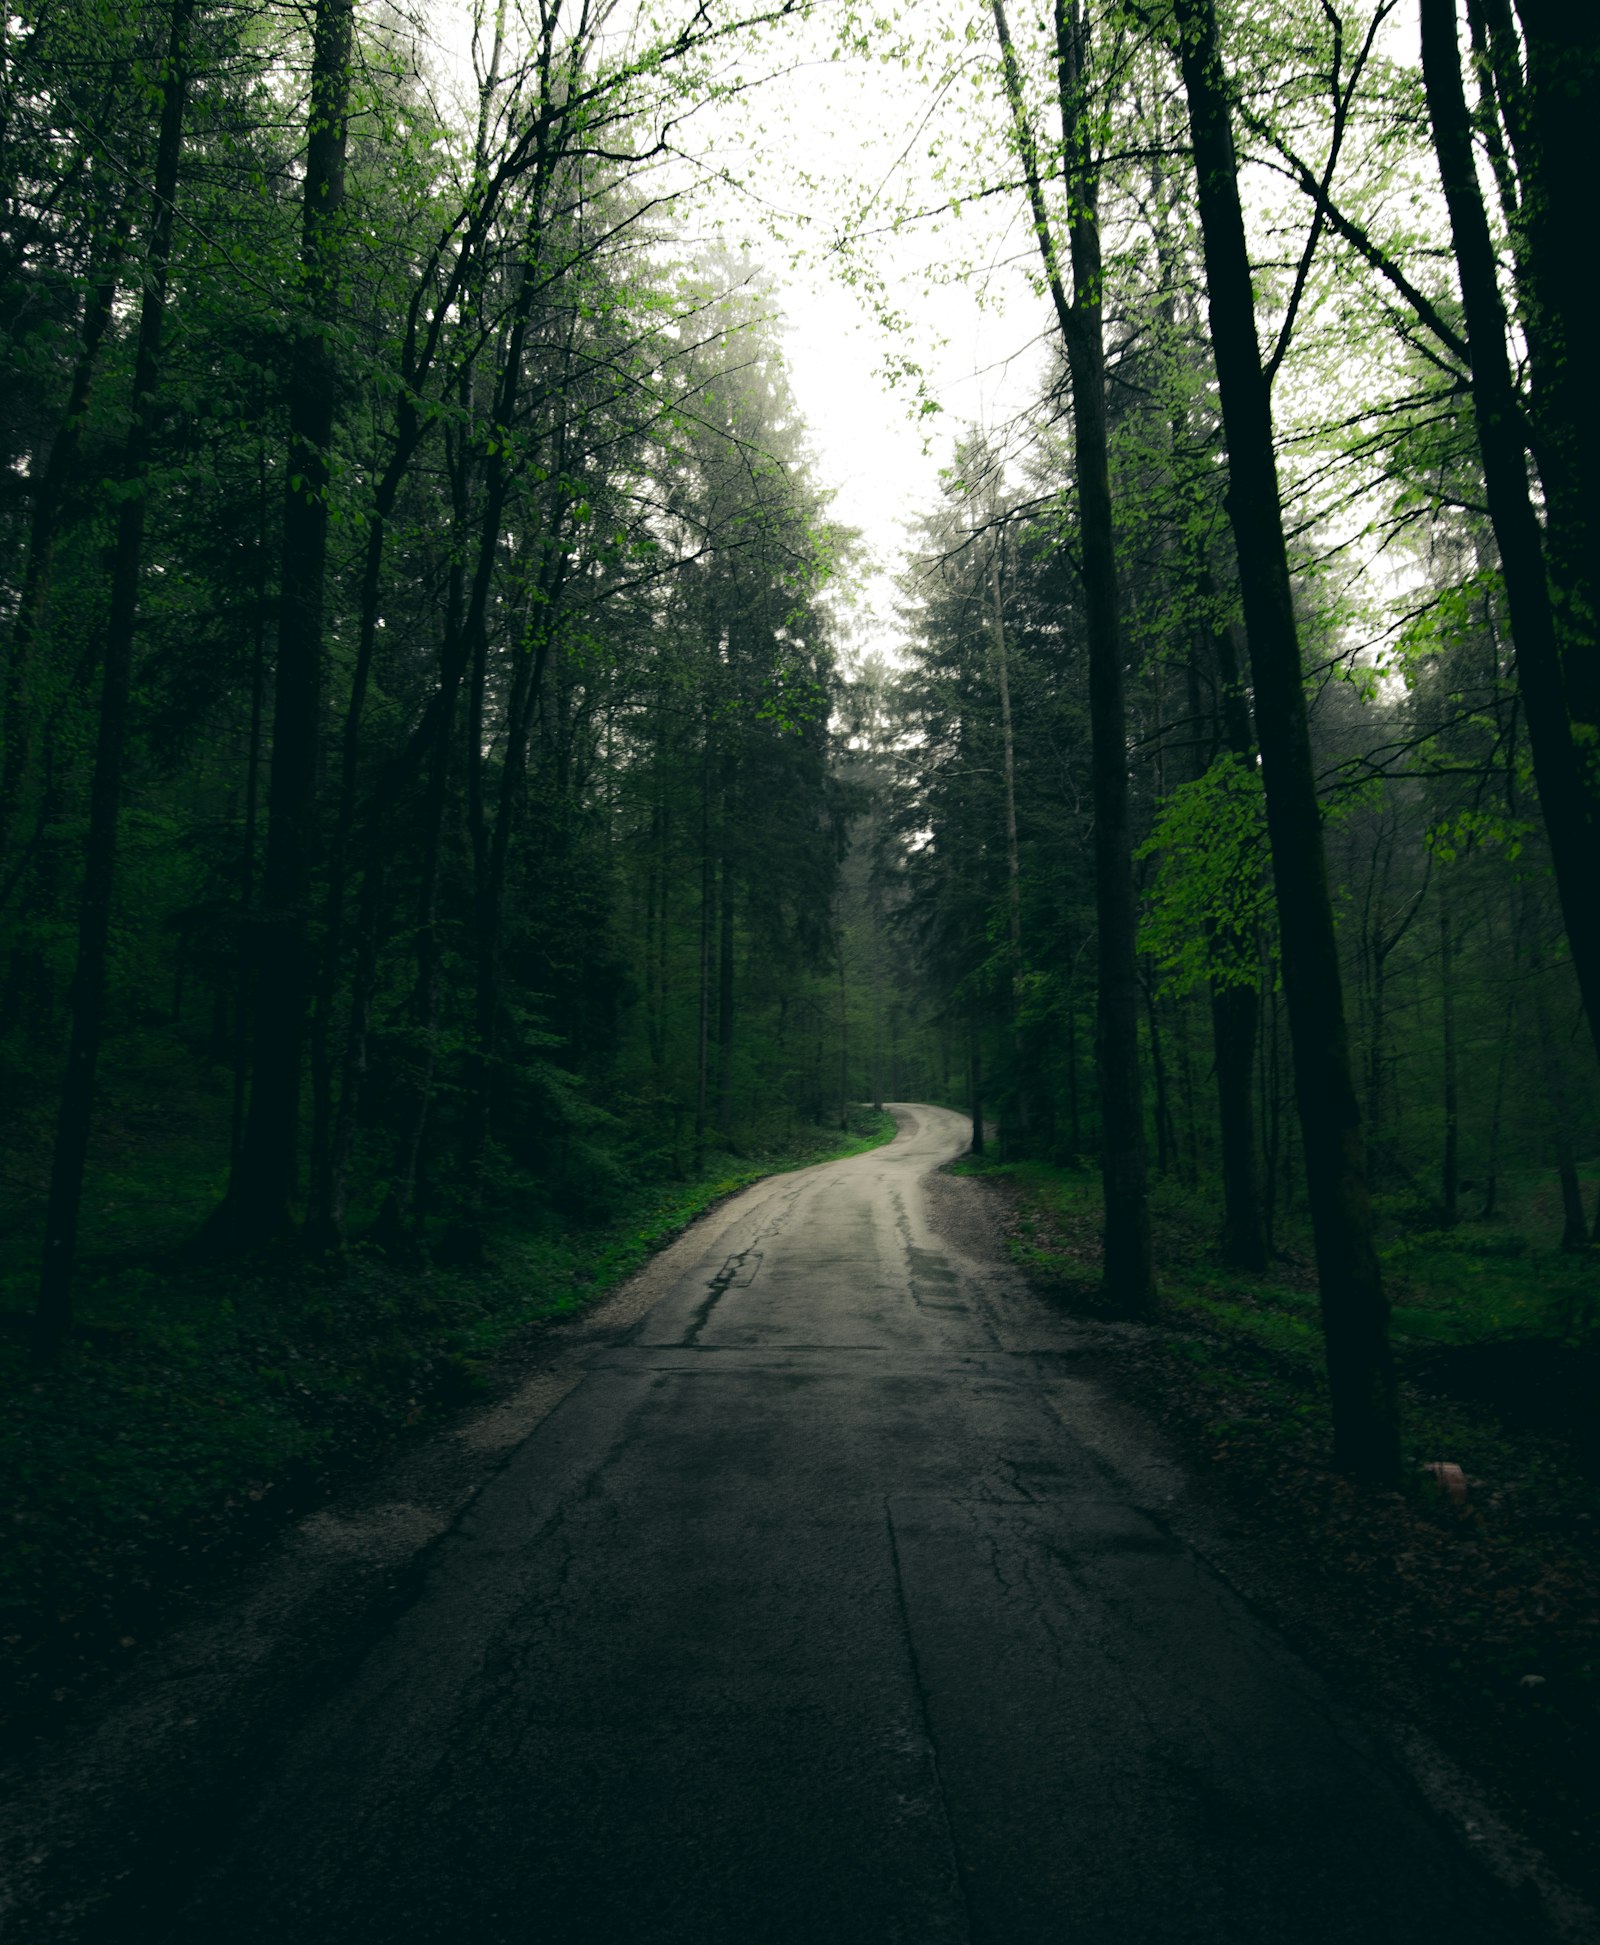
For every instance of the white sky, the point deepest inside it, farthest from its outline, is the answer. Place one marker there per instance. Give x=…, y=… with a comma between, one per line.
x=844, y=125
x=852, y=127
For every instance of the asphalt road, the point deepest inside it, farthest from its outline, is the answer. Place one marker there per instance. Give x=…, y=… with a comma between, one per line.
x=805, y=1615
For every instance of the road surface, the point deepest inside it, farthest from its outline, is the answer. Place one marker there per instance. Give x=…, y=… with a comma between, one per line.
x=805, y=1615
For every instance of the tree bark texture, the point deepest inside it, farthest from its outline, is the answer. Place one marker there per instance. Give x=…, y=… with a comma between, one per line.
x=1549, y=116
x=1128, y=1272
x=1354, y=1306
x=1570, y=804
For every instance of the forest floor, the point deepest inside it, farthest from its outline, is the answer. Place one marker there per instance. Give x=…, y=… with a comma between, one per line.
x=201, y=1406
x=1476, y=1619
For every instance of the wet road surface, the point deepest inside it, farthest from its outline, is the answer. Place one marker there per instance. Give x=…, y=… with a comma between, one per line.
x=805, y=1616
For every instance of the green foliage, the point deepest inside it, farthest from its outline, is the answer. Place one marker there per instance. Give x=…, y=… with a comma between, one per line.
x=1211, y=916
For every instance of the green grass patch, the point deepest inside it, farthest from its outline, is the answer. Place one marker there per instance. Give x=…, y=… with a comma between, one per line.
x=1491, y=1325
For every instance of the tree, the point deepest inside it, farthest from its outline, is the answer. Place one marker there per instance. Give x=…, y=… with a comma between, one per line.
x=1354, y=1305
x=54, y=1315
x=1562, y=702
x=1128, y=1271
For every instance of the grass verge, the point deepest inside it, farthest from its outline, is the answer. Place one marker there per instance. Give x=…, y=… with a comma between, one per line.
x=199, y=1405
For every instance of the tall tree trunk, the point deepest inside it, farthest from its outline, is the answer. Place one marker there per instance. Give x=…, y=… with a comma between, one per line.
x=397, y=1218
x=844, y=1045
x=1128, y=1273
x=664, y=941
x=49, y=504
x=725, y=1016
x=491, y=844
x=1450, y=1171
x=1355, y=1309
x=333, y=1130
x=655, y=914
x=1549, y=117
x=1271, y=1119
x=1569, y=794
x=244, y=958
x=1236, y=1016
x=1019, y=1055
x=1502, y=1066
x=708, y=902
x=975, y=1078
x=1574, y=1227
x=263, y=1184
x=1158, y=1070
x=53, y=1317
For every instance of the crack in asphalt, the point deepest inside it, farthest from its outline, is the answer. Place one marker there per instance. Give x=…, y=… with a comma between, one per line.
x=958, y=1868
x=720, y=1284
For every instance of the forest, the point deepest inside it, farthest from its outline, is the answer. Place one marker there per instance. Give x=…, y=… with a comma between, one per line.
x=454, y=823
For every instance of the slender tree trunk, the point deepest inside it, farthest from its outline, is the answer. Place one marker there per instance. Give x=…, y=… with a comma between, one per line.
x=1019, y=1052
x=263, y=1184
x=325, y=1228
x=332, y=950
x=397, y=1218
x=844, y=1046
x=1568, y=791
x=53, y=1317
x=1450, y=1174
x=1491, y=1180
x=1574, y=1225
x=491, y=845
x=1236, y=1013
x=1355, y=1309
x=725, y=997
x=1377, y=1051
x=654, y=914
x=708, y=901
x=1129, y=1275
x=1158, y=1070
x=49, y=503
x=975, y=1079
x=1550, y=118
x=1189, y=1143
x=244, y=958
x=663, y=941
x=1271, y=1120
x=333, y=1130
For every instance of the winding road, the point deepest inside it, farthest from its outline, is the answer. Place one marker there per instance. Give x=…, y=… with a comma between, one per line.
x=807, y=1611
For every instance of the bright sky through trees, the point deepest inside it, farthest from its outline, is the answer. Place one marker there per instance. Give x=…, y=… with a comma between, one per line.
x=822, y=148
